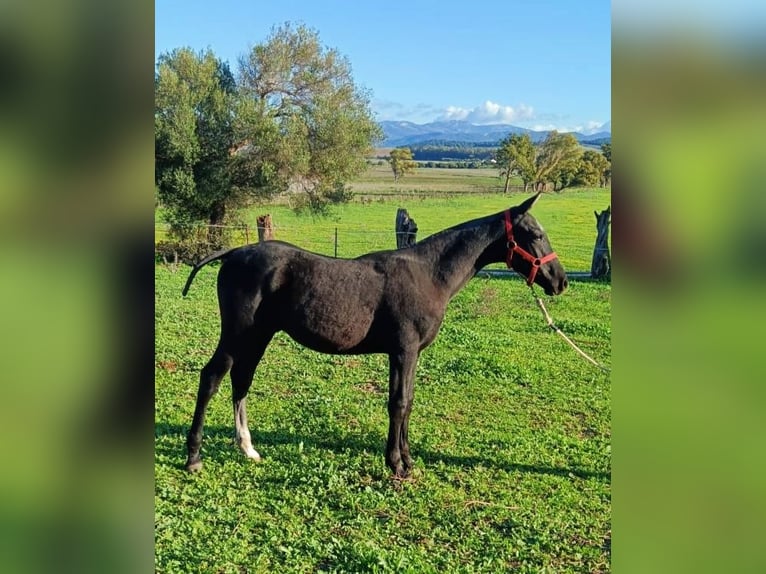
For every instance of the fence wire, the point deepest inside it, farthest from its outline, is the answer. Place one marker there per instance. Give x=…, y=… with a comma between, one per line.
x=331, y=240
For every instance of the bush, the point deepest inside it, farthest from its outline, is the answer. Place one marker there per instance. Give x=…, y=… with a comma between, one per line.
x=173, y=252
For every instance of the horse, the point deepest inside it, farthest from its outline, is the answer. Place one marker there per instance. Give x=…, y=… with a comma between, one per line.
x=390, y=302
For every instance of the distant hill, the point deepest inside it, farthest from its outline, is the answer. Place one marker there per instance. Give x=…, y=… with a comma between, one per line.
x=401, y=133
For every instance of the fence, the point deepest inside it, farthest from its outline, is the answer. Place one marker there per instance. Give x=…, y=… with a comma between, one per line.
x=348, y=242
x=332, y=240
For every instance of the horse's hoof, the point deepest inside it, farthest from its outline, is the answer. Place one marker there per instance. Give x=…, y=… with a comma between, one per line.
x=194, y=466
x=401, y=473
x=253, y=455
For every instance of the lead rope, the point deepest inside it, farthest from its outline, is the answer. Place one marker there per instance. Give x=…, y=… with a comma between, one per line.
x=555, y=328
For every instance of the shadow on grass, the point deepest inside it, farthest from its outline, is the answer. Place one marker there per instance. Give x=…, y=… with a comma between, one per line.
x=218, y=447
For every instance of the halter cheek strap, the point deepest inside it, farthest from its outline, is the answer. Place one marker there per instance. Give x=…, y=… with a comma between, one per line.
x=513, y=247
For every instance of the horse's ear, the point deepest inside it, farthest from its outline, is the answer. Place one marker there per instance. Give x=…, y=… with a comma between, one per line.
x=527, y=205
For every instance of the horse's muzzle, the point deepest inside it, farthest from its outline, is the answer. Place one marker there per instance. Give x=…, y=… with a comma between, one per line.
x=557, y=287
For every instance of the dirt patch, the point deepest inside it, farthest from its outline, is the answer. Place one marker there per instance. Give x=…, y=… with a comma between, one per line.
x=371, y=387
x=487, y=302
x=169, y=366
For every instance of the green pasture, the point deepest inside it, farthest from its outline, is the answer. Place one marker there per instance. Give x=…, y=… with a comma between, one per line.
x=379, y=180
x=510, y=430
x=363, y=226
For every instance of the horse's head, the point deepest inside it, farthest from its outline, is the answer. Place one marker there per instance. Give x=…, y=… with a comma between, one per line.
x=529, y=251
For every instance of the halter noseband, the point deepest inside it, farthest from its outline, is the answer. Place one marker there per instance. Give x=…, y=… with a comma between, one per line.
x=513, y=247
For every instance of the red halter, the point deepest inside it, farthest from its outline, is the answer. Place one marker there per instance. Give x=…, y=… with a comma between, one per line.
x=513, y=247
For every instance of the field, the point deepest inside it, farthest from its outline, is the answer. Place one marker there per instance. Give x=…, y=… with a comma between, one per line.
x=510, y=430
x=364, y=226
x=379, y=180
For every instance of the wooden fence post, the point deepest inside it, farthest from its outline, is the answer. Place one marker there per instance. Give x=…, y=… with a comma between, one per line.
x=406, y=229
x=601, y=267
x=265, y=229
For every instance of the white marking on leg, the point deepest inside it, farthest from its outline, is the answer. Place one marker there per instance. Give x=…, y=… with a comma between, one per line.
x=243, y=433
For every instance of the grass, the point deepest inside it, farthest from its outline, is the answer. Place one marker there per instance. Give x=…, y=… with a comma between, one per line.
x=510, y=429
x=379, y=180
x=367, y=226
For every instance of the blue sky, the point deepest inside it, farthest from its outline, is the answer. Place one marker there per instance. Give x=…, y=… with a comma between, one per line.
x=540, y=64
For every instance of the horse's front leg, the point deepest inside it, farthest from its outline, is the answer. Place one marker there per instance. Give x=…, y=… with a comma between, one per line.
x=400, y=393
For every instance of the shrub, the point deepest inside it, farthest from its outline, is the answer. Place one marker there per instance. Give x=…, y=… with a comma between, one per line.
x=189, y=252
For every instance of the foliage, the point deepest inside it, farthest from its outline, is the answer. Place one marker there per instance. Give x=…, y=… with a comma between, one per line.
x=193, y=132
x=401, y=162
x=292, y=121
x=314, y=124
x=516, y=156
x=445, y=150
x=188, y=252
x=593, y=169
x=606, y=149
x=557, y=160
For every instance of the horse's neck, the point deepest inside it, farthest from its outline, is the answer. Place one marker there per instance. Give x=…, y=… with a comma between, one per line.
x=455, y=255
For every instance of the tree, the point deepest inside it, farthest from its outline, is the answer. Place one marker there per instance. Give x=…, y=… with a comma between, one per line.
x=401, y=162
x=557, y=160
x=606, y=149
x=291, y=121
x=193, y=133
x=516, y=156
x=308, y=127
x=593, y=168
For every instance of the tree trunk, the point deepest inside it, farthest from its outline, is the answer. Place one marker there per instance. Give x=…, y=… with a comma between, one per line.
x=217, y=216
x=507, y=180
x=601, y=267
x=406, y=229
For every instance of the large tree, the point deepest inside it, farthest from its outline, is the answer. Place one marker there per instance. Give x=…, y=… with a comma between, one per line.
x=557, y=160
x=401, y=162
x=593, y=169
x=516, y=156
x=308, y=127
x=291, y=121
x=193, y=134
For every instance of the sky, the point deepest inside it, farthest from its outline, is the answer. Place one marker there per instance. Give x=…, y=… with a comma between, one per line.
x=539, y=64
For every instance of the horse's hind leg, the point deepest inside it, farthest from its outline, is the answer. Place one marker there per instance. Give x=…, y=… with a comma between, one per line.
x=210, y=379
x=241, y=379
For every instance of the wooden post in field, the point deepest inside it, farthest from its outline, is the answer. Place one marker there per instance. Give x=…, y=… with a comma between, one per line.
x=265, y=229
x=406, y=229
x=601, y=267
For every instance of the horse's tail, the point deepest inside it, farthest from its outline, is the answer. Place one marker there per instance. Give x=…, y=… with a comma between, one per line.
x=213, y=257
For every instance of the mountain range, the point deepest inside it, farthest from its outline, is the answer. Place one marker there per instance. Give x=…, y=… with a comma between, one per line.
x=402, y=133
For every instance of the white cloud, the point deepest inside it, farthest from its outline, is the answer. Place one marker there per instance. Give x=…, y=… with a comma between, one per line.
x=489, y=113
x=590, y=127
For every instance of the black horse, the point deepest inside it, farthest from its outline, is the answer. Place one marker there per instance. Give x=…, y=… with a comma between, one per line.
x=390, y=302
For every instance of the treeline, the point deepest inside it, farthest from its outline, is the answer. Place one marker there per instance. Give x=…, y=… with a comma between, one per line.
x=558, y=162
x=446, y=150
x=466, y=164
x=476, y=153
